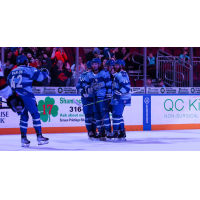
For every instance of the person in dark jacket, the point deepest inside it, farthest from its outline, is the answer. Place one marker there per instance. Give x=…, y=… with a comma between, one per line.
x=60, y=75
x=43, y=62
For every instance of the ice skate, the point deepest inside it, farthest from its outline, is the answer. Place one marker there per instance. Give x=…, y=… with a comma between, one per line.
x=113, y=135
x=91, y=135
x=122, y=135
x=100, y=136
x=25, y=142
x=42, y=140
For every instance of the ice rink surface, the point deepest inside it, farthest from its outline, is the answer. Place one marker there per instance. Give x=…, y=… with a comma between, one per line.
x=178, y=140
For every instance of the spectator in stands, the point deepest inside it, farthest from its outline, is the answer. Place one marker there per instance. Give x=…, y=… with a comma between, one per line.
x=81, y=67
x=60, y=75
x=59, y=54
x=48, y=52
x=71, y=80
x=151, y=59
x=90, y=55
x=161, y=83
x=42, y=62
x=125, y=55
x=184, y=56
x=7, y=68
x=149, y=82
x=109, y=52
x=10, y=57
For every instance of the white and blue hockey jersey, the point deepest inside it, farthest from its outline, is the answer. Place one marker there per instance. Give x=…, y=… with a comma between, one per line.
x=101, y=83
x=20, y=79
x=121, y=83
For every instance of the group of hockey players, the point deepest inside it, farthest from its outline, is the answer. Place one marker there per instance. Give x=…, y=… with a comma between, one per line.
x=20, y=98
x=104, y=90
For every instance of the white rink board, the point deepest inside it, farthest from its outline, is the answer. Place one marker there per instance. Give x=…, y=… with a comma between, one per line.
x=183, y=109
x=133, y=115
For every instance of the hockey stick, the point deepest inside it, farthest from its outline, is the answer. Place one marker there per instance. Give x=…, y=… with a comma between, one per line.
x=81, y=105
x=3, y=101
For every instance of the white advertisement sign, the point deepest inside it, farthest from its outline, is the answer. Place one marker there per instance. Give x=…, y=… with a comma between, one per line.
x=61, y=111
x=183, y=109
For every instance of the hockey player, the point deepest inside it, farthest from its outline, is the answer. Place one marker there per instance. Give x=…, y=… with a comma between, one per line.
x=90, y=122
x=121, y=98
x=20, y=80
x=99, y=83
x=13, y=101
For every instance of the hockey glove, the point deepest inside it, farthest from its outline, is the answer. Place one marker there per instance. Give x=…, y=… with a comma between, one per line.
x=15, y=103
x=81, y=91
x=109, y=95
x=88, y=89
x=45, y=70
x=117, y=95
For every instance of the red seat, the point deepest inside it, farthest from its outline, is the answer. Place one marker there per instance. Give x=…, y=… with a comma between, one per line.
x=197, y=52
x=167, y=66
x=198, y=68
x=139, y=83
x=84, y=58
x=195, y=77
x=154, y=50
x=133, y=50
x=177, y=52
x=70, y=58
x=168, y=50
x=81, y=50
x=67, y=50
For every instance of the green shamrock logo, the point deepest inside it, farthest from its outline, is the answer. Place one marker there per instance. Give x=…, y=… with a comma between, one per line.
x=47, y=108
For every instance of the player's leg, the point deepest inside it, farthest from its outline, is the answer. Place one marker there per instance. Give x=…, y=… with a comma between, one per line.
x=88, y=111
x=23, y=128
x=117, y=117
x=122, y=135
x=105, y=108
x=31, y=106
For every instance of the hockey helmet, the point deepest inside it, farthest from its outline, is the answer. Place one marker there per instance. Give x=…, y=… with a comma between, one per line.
x=21, y=59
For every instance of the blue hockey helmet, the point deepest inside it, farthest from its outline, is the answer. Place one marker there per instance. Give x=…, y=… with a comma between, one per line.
x=21, y=59
x=96, y=60
x=96, y=51
x=110, y=62
x=120, y=62
x=89, y=64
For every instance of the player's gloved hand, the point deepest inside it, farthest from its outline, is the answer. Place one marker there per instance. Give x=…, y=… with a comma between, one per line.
x=45, y=70
x=117, y=94
x=88, y=89
x=81, y=91
x=15, y=103
x=109, y=95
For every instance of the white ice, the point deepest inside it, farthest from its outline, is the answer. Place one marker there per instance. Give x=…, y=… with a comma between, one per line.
x=178, y=140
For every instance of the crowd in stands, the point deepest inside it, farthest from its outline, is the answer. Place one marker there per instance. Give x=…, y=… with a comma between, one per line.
x=60, y=61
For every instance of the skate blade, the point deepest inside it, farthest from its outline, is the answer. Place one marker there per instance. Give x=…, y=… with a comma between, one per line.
x=43, y=142
x=25, y=145
x=121, y=139
x=102, y=139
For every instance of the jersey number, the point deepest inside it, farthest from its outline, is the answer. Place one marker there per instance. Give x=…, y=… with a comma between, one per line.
x=18, y=84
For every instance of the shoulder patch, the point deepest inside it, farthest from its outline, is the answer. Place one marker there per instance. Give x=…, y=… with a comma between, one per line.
x=123, y=73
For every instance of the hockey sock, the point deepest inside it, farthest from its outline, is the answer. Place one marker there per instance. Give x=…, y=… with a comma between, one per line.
x=116, y=122
x=121, y=123
x=106, y=121
x=94, y=127
x=88, y=122
x=24, y=122
x=36, y=122
x=98, y=118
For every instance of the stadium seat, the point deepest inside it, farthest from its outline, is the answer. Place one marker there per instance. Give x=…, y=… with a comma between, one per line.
x=197, y=52
x=70, y=58
x=139, y=83
x=68, y=50
x=177, y=52
x=198, y=68
x=166, y=66
x=133, y=50
x=81, y=50
x=154, y=50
